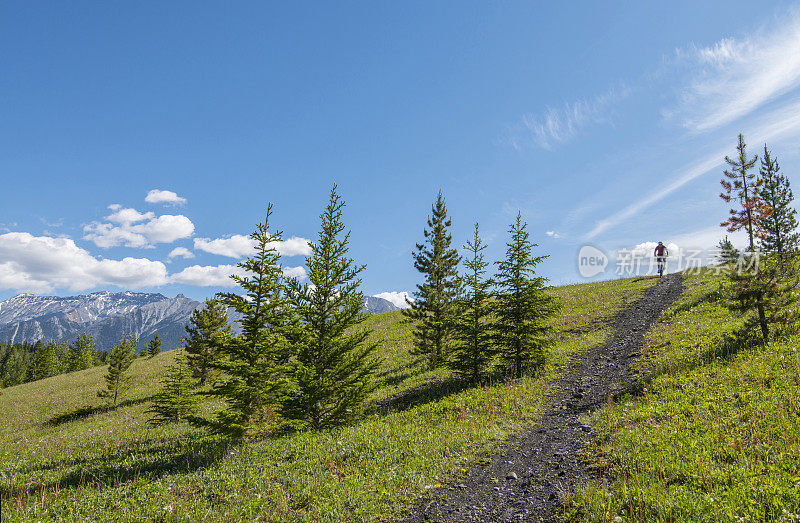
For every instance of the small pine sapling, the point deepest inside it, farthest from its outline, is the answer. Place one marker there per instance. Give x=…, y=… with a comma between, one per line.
x=472, y=353
x=523, y=310
x=119, y=361
x=176, y=401
x=154, y=346
x=206, y=330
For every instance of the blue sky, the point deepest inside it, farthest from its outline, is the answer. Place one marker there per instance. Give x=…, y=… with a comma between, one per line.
x=601, y=124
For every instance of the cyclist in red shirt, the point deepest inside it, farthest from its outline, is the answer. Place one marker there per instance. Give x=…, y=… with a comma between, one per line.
x=661, y=254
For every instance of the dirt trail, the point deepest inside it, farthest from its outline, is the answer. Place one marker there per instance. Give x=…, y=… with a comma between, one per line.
x=522, y=482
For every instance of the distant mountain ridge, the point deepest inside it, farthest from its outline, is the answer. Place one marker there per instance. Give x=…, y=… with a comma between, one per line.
x=375, y=305
x=105, y=315
x=108, y=316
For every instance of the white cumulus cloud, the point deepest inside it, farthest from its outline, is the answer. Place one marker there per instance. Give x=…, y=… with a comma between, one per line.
x=125, y=215
x=294, y=246
x=182, y=252
x=295, y=272
x=397, y=298
x=208, y=276
x=553, y=234
x=220, y=275
x=161, y=196
x=239, y=246
x=236, y=246
x=131, y=228
x=43, y=264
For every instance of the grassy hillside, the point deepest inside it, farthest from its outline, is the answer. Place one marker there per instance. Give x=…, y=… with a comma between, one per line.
x=62, y=457
x=715, y=434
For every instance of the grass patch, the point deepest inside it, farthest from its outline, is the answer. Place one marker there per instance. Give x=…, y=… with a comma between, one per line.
x=99, y=464
x=715, y=434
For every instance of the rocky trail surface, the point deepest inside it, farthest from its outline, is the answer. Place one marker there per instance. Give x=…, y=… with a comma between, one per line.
x=523, y=482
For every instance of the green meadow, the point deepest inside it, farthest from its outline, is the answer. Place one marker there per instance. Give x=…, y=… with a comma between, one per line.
x=65, y=456
x=714, y=433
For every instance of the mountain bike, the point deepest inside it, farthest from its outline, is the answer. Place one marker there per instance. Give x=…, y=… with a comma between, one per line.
x=662, y=262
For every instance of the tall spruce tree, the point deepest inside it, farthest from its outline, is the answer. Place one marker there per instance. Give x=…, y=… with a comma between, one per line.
x=206, y=328
x=119, y=361
x=473, y=350
x=333, y=364
x=83, y=353
x=523, y=308
x=45, y=361
x=176, y=400
x=433, y=310
x=780, y=235
x=154, y=346
x=743, y=187
x=252, y=364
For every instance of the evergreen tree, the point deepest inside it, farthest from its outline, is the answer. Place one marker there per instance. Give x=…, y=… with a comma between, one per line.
x=83, y=353
x=474, y=348
x=119, y=361
x=433, y=309
x=63, y=356
x=14, y=364
x=253, y=364
x=332, y=368
x=777, y=280
x=742, y=185
x=207, y=327
x=523, y=308
x=176, y=401
x=780, y=225
x=154, y=346
x=45, y=362
x=727, y=252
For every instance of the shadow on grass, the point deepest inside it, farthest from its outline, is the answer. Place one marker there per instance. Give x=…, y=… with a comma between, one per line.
x=90, y=410
x=709, y=297
x=122, y=467
x=420, y=395
x=398, y=374
x=724, y=349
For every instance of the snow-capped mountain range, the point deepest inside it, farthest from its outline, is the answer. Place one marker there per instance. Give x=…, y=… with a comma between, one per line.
x=108, y=316
x=105, y=315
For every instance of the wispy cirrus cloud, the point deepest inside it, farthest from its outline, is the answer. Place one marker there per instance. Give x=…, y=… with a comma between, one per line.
x=558, y=125
x=777, y=124
x=735, y=76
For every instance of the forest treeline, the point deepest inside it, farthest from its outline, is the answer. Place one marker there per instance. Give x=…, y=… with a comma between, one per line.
x=25, y=362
